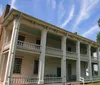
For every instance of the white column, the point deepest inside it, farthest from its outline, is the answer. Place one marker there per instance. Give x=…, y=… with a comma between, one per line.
x=42, y=57
x=1, y=53
x=98, y=56
x=11, y=54
x=63, y=60
x=78, y=66
x=2, y=66
x=89, y=63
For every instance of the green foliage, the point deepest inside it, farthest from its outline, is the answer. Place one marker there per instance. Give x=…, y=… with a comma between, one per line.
x=99, y=22
x=98, y=37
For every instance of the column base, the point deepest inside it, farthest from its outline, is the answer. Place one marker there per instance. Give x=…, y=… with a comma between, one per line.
x=5, y=83
x=41, y=82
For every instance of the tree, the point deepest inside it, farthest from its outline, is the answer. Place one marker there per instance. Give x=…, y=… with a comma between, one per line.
x=98, y=37
x=99, y=22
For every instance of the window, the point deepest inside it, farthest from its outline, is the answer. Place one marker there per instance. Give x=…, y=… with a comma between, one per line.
x=69, y=49
x=69, y=69
x=36, y=63
x=21, y=38
x=38, y=42
x=17, y=65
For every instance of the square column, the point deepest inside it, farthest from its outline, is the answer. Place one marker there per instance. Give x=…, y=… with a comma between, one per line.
x=2, y=67
x=12, y=50
x=89, y=63
x=78, y=66
x=42, y=57
x=63, y=60
x=98, y=56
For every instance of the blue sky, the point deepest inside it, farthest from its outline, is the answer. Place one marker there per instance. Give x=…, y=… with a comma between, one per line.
x=79, y=16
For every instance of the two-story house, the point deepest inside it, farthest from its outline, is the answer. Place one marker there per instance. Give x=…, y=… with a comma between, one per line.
x=35, y=52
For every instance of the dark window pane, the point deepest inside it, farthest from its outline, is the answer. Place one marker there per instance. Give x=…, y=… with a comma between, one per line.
x=36, y=63
x=17, y=65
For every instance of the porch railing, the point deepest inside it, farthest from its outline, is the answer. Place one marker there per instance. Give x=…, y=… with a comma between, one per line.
x=28, y=46
x=84, y=56
x=94, y=58
x=71, y=54
x=52, y=80
x=86, y=78
x=96, y=78
x=24, y=80
x=54, y=51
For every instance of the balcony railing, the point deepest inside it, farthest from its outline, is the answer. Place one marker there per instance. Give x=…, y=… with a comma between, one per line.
x=71, y=54
x=54, y=51
x=31, y=80
x=94, y=58
x=96, y=78
x=24, y=80
x=86, y=78
x=28, y=46
x=52, y=80
x=84, y=56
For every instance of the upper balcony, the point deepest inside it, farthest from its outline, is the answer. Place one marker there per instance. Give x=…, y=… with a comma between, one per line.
x=84, y=52
x=53, y=45
x=94, y=57
x=71, y=49
x=29, y=39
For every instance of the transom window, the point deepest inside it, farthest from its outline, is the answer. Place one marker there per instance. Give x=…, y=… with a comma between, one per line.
x=17, y=65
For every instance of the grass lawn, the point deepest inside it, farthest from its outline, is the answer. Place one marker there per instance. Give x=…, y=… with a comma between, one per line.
x=93, y=84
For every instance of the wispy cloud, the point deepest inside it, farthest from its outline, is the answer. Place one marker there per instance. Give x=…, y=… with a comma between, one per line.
x=91, y=30
x=61, y=10
x=85, y=11
x=13, y=4
x=1, y=10
x=70, y=17
x=52, y=3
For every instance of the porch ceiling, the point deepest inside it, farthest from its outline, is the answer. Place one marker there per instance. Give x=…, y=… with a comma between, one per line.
x=24, y=53
x=30, y=30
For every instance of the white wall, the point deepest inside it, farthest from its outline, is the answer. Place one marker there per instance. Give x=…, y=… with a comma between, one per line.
x=73, y=64
x=27, y=66
x=51, y=65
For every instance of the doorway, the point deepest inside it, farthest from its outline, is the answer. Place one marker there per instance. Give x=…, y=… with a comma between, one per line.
x=58, y=72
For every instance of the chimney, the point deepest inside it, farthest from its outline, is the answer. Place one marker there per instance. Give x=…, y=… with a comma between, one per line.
x=7, y=9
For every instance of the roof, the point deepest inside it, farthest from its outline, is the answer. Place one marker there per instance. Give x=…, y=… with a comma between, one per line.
x=13, y=13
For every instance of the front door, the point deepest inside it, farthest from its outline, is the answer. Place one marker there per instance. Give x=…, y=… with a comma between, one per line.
x=58, y=72
x=69, y=71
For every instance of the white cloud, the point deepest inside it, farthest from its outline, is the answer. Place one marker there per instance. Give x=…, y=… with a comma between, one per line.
x=85, y=11
x=70, y=17
x=1, y=10
x=91, y=30
x=13, y=4
x=61, y=10
x=52, y=3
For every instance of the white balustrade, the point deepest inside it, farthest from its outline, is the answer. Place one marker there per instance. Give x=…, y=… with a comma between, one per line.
x=28, y=46
x=84, y=56
x=94, y=58
x=54, y=51
x=24, y=80
x=86, y=78
x=52, y=80
x=96, y=78
x=71, y=54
